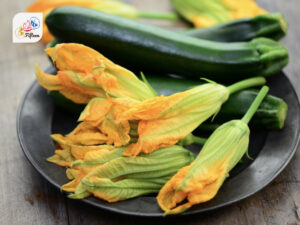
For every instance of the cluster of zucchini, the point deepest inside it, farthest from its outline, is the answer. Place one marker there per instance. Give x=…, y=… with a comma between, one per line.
x=228, y=52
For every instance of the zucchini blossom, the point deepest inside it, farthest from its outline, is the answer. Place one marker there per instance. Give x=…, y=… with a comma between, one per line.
x=113, y=177
x=84, y=73
x=206, y=13
x=163, y=121
x=201, y=180
x=114, y=7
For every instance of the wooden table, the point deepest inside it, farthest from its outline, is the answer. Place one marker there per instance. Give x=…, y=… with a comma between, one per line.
x=26, y=198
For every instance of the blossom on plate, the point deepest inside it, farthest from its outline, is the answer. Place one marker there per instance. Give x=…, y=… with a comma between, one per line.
x=163, y=121
x=84, y=73
x=124, y=177
x=206, y=13
x=201, y=180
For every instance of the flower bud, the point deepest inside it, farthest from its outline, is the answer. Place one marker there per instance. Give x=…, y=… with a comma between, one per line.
x=163, y=121
x=84, y=73
x=200, y=181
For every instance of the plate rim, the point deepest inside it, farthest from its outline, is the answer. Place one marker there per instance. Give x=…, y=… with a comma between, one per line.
x=150, y=215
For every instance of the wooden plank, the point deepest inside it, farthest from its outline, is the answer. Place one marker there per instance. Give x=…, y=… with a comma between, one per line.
x=25, y=198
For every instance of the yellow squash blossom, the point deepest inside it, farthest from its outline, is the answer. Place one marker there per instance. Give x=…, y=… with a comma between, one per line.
x=113, y=177
x=206, y=13
x=80, y=158
x=84, y=73
x=98, y=127
x=108, y=6
x=163, y=121
x=201, y=180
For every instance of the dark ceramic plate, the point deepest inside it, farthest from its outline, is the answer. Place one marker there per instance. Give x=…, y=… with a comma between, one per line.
x=38, y=117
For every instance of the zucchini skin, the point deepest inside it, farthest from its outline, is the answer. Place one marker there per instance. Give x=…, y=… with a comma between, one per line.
x=272, y=26
x=270, y=115
x=136, y=45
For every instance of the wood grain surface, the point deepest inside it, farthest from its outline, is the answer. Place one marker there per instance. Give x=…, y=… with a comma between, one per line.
x=26, y=198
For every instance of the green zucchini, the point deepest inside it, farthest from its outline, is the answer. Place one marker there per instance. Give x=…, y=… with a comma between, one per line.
x=145, y=47
x=272, y=26
x=270, y=115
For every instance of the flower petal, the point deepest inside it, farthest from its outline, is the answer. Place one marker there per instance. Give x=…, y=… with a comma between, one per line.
x=75, y=96
x=95, y=111
x=153, y=107
x=102, y=113
x=117, y=133
x=110, y=191
x=79, y=152
x=62, y=158
x=76, y=57
x=81, y=83
x=83, y=134
x=120, y=82
x=47, y=81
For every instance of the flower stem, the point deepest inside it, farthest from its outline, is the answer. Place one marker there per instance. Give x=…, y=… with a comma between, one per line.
x=256, y=103
x=255, y=81
x=165, y=16
x=199, y=140
x=191, y=139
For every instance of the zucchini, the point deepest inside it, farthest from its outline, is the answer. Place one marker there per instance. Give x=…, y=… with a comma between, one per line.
x=145, y=47
x=270, y=115
x=272, y=26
